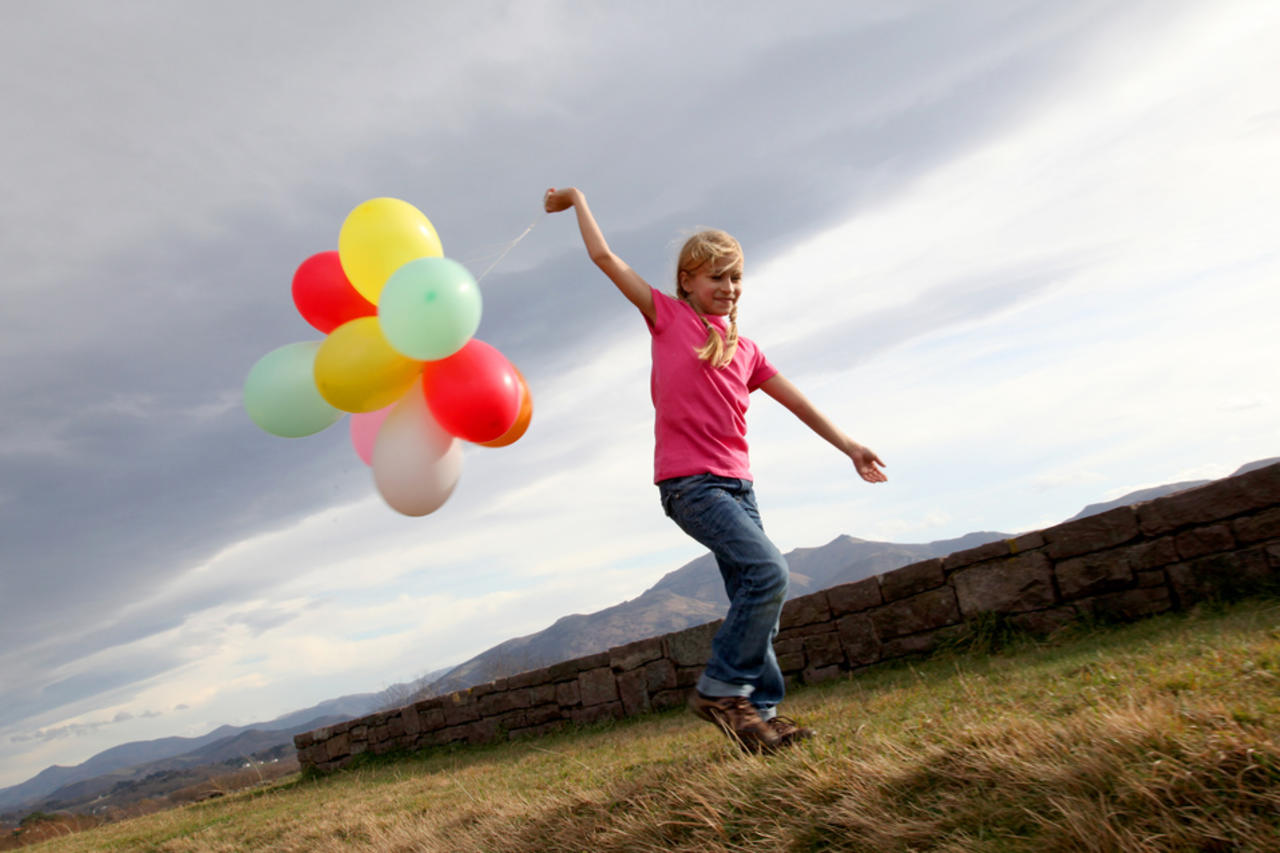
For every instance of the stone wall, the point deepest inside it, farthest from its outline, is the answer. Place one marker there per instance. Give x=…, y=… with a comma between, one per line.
x=1220, y=539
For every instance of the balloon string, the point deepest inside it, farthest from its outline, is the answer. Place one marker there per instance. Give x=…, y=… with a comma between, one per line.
x=505, y=251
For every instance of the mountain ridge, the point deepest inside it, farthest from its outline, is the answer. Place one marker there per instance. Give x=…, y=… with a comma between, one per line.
x=114, y=787
x=687, y=596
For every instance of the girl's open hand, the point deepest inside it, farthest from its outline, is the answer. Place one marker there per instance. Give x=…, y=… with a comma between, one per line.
x=557, y=200
x=865, y=461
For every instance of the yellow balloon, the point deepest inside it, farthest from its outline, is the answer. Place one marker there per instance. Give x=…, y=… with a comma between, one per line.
x=358, y=371
x=380, y=236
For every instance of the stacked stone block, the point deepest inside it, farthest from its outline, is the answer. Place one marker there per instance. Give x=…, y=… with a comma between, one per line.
x=1220, y=539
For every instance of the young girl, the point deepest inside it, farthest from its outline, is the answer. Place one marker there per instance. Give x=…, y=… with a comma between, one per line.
x=703, y=373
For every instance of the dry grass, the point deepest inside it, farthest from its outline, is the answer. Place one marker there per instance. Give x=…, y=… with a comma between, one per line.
x=239, y=780
x=1160, y=736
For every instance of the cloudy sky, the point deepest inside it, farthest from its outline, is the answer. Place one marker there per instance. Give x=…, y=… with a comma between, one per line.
x=1025, y=251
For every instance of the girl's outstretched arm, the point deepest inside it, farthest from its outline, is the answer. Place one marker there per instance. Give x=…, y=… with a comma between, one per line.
x=635, y=288
x=864, y=460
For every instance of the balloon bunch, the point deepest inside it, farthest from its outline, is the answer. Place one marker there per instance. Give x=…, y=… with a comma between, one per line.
x=400, y=355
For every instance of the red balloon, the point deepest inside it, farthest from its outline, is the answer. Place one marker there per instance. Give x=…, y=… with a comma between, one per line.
x=474, y=393
x=521, y=426
x=324, y=297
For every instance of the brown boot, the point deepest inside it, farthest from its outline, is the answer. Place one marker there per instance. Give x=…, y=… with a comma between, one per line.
x=789, y=731
x=737, y=718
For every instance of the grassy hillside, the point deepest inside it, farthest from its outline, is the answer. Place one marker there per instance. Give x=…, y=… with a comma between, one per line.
x=1157, y=736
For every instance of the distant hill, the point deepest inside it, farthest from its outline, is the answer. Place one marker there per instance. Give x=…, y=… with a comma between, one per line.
x=690, y=595
x=122, y=786
x=130, y=761
x=1160, y=491
x=1137, y=497
x=119, y=761
x=842, y=560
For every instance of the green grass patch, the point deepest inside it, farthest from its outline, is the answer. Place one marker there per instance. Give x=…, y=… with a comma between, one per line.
x=1159, y=735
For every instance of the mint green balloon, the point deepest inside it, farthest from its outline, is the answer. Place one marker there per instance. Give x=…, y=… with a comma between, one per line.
x=280, y=392
x=429, y=308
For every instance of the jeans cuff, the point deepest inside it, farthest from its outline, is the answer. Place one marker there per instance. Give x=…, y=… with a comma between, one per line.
x=709, y=686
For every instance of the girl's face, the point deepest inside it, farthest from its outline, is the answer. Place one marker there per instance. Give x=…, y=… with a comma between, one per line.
x=714, y=287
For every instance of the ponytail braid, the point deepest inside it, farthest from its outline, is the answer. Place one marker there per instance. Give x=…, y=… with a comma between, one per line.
x=718, y=351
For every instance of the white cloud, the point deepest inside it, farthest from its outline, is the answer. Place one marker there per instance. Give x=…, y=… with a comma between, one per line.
x=1052, y=479
x=1245, y=402
x=1161, y=186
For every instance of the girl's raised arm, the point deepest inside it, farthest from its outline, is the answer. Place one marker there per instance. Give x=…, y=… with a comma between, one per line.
x=635, y=288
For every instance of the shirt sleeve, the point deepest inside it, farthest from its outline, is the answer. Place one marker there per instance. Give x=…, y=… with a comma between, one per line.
x=762, y=370
x=663, y=308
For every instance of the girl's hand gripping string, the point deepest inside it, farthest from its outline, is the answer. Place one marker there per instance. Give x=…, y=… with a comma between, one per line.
x=557, y=200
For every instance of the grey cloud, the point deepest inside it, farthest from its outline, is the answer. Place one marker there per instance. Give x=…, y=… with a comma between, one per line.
x=108, y=677
x=262, y=620
x=770, y=142
x=967, y=297
x=126, y=666
x=76, y=729
x=37, y=695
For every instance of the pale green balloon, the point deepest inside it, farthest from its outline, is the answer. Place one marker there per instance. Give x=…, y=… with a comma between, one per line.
x=280, y=392
x=429, y=308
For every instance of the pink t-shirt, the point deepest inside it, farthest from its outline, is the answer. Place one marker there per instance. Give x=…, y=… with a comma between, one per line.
x=700, y=423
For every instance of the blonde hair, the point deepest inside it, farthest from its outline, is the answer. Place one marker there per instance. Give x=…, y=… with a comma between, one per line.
x=711, y=247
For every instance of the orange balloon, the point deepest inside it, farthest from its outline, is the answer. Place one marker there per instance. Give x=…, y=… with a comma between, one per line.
x=523, y=418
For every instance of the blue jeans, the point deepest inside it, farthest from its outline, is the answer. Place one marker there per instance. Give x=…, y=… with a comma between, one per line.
x=721, y=513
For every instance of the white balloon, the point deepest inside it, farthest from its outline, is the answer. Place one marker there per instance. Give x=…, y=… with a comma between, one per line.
x=416, y=464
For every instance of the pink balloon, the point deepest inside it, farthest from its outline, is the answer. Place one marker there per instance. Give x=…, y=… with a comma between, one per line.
x=416, y=464
x=364, y=431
